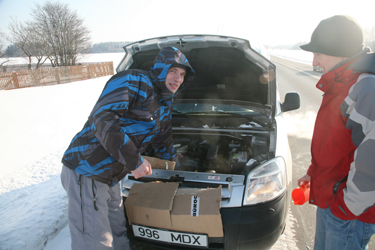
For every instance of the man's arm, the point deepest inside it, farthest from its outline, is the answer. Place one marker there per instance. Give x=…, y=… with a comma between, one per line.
x=163, y=143
x=359, y=107
x=118, y=95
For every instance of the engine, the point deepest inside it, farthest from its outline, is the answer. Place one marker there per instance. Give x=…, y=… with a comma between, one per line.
x=220, y=154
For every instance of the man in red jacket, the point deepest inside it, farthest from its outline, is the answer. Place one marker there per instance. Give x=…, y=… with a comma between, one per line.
x=342, y=170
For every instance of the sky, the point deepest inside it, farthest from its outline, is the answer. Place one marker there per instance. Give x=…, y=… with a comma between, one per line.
x=270, y=22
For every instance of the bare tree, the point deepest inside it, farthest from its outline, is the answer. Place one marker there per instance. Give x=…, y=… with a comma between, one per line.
x=20, y=36
x=63, y=32
x=25, y=37
x=38, y=46
x=2, y=48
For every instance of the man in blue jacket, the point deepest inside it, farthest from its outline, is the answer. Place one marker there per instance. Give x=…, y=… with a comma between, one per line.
x=132, y=112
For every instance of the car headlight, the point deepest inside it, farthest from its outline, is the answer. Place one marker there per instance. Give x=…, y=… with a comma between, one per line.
x=265, y=182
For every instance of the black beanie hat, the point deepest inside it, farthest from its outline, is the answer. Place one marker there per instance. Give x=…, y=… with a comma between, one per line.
x=340, y=36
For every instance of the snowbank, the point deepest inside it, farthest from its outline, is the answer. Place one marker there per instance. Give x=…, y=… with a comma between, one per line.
x=296, y=55
x=37, y=126
x=82, y=58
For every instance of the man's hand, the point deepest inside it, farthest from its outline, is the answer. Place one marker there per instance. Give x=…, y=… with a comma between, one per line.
x=143, y=170
x=304, y=179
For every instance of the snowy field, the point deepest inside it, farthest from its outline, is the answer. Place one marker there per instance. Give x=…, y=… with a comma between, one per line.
x=87, y=58
x=296, y=55
x=37, y=125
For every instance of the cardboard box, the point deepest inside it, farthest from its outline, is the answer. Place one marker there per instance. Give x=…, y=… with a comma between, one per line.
x=157, y=163
x=163, y=205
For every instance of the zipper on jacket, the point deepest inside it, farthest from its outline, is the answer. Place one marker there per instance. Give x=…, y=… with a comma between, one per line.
x=337, y=185
x=93, y=193
x=80, y=195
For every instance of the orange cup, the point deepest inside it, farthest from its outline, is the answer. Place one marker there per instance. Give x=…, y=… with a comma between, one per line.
x=301, y=194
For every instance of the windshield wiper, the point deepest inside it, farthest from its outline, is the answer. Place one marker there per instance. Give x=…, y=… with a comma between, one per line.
x=188, y=115
x=251, y=119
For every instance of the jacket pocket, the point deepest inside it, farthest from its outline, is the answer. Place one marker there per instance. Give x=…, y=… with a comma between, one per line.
x=338, y=184
x=80, y=195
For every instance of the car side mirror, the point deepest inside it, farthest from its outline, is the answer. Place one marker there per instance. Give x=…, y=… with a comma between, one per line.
x=291, y=102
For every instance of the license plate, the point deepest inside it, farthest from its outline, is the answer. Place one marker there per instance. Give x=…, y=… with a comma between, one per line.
x=190, y=239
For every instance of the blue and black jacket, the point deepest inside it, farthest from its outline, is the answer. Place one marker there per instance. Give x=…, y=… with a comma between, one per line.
x=132, y=112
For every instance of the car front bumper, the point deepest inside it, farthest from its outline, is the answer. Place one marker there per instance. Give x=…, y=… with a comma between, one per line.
x=254, y=227
x=249, y=227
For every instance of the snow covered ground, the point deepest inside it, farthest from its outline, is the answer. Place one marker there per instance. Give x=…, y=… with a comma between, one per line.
x=87, y=58
x=37, y=125
x=296, y=55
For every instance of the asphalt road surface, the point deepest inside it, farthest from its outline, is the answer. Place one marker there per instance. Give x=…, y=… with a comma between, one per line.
x=298, y=77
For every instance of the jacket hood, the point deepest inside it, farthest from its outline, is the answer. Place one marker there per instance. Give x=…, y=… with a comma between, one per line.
x=365, y=63
x=345, y=72
x=163, y=61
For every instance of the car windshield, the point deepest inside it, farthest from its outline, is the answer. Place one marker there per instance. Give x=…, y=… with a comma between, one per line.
x=191, y=108
x=207, y=114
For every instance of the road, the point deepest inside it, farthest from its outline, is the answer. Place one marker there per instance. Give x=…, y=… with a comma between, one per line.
x=298, y=77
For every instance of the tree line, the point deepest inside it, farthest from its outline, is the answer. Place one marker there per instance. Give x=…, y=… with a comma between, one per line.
x=108, y=47
x=105, y=47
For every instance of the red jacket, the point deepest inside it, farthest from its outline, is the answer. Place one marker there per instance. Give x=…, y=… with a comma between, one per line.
x=336, y=138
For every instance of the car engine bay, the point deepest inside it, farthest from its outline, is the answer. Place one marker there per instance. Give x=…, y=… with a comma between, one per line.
x=223, y=153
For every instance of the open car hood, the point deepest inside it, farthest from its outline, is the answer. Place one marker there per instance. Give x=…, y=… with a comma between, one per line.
x=227, y=68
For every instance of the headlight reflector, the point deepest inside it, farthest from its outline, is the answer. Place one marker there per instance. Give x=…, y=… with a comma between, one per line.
x=265, y=182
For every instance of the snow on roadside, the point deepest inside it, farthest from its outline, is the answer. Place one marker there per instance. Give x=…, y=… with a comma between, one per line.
x=82, y=58
x=296, y=55
x=32, y=204
x=287, y=239
x=34, y=137
x=37, y=125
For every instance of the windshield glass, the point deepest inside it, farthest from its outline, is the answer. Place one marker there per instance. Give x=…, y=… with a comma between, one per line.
x=192, y=108
x=217, y=115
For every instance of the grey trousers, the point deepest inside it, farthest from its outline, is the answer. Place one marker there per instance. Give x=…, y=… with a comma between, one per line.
x=95, y=213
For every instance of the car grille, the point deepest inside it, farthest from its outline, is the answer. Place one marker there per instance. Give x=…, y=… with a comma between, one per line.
x=232, y=185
